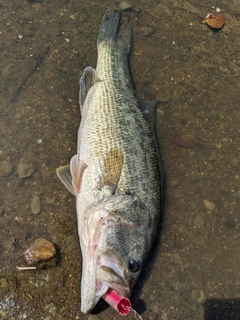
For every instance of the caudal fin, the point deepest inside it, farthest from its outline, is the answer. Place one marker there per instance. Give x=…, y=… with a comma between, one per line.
x=109, y=25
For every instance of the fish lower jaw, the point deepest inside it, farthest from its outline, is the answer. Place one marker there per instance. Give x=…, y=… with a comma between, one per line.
x=102, y=288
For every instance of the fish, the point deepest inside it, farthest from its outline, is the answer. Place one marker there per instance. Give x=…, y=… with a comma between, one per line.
x=116, y=174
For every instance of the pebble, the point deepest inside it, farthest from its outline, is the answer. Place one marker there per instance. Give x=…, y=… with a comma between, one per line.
x=11, y=243
x=93, y=317
x=69, y=243
x=24, y=170
x=35, y=204
x=209, y=205
x=3, y=282
x=201, y=298
x=52, y=308
x=40, y=250
x=51, y=200
x=234, y=162
x=198, y=221
x=146, y=31
x=213, y=156
x=177, y=258
x=136, y=9
x=128, y=6
x=5, y=168
x=125, y=5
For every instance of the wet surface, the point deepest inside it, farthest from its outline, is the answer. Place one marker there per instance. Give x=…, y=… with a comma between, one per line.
x=195, y=72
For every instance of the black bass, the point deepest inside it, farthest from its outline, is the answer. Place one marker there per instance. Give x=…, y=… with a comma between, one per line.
x=115, y=175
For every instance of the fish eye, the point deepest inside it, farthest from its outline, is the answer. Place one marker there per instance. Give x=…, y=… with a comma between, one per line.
x=134, y=265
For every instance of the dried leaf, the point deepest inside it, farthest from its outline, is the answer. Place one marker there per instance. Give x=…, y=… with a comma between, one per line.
x=215, y=22
x=186, y=142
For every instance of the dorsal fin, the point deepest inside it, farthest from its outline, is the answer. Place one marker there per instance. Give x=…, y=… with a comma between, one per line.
x=87, y=80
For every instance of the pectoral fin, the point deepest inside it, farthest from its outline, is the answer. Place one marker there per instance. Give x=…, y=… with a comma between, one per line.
x=64, y=175
x=77, y=167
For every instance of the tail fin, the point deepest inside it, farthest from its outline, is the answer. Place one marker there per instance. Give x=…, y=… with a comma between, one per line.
x=109, y=25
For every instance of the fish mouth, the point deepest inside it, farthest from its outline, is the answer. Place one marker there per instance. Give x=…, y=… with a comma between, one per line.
x=89, y=302
x=105, y=286
x=91, y=293
x=98, y=278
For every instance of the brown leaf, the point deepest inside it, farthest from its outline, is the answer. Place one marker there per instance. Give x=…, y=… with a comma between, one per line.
x=215, y=22
x=186, y=142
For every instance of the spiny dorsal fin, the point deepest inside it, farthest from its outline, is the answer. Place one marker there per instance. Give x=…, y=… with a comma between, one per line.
x=77, y=167
x=87, y=80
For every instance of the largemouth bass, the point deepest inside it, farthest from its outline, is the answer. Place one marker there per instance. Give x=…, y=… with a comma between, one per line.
x=115, y=175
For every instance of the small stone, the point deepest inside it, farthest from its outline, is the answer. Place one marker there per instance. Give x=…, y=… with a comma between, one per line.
x=200, y=241
x=40, y=250
x=212, y=156
x=230, y=223
x=93, y=317
x=177, y=258
x=51, y=200
x=136, y=9
x=11, y=243
x=201, y=297
x=69, y=243
x=209, y=205
x=237, y=194
x=198, y=221
x=35, y=204
x=52, y=308
x=3, y=282
x=5, y=168
x=125, y=5
x=24, y=170
x=234, y=162
x=146, y=31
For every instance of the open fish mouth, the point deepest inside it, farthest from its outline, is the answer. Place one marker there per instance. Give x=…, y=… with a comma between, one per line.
x=90, y=301
x=106, y=277
x=102, y=288
x=99, y=275
x=117, y=301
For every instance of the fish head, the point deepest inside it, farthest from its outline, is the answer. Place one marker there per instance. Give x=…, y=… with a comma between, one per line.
x=114, y=249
